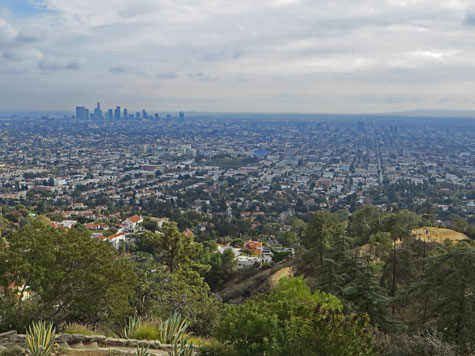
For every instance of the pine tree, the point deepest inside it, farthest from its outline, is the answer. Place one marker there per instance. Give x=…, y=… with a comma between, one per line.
x=319, y=233
x=451, y=281
x=367, y=296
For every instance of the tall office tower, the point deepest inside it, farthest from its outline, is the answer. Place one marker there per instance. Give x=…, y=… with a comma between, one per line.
x=110, y=114
x=137, y=115
x=181, y=115
x=126, y=115
x=157, y=117
x=361, y=125
x=117, y=112
x=98, y=112
x=144, y=114
x=86, y=114
x=80, y=112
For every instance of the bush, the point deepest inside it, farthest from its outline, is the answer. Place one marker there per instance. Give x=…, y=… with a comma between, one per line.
x=425, y=342
x=146, y=331
x=174, y=329
x=76, y=328
x=294, y=321
x=216, y=348
x=85, y=293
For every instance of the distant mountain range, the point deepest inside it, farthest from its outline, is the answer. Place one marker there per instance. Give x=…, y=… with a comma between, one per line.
x=433, y=113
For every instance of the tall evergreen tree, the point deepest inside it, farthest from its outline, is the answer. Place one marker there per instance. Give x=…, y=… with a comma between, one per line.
x=366, y=295
x=318, y=234
x=451, y=281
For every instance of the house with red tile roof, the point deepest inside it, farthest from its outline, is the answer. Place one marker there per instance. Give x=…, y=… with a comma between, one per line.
x=115, y=239
x=189, y=233
x=254, y=246
x=131, y=224
x=97, y=226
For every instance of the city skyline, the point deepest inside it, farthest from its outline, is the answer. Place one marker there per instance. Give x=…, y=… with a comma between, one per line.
x=275, y=56
x=84, y=113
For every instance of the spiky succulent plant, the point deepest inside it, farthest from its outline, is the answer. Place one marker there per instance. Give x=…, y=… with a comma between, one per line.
x=40, y=339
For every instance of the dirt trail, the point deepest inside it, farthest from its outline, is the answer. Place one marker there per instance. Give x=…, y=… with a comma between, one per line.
x=237, y=291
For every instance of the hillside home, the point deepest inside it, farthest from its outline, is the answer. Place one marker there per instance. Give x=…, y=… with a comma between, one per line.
x=131, y=224
x=254, y=246
x=115, y=239
x=247, y=261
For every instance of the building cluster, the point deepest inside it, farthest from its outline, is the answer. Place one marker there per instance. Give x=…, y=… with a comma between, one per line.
x=252, y=169
x=83, y=113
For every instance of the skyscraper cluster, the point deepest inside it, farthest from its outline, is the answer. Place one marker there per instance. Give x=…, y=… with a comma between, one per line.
x=82, y=113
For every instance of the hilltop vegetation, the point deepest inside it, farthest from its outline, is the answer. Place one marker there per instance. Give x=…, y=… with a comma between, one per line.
x=437, y=234
x=339, y=303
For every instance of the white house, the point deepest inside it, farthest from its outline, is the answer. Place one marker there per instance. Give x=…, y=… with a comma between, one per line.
x=159, y=221
x=247, y=261
x=115, y=239
x=67, y=223
x=131, y=224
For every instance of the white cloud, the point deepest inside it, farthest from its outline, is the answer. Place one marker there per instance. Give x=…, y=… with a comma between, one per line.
x=7, y=32
x=189, y=50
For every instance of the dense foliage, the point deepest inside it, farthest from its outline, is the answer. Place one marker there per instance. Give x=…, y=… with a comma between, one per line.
x=67, y=275
x=367, y=283
x=292, y=320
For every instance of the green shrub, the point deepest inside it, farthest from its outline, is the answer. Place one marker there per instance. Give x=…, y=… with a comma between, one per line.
x=170, y=331
x=216, y=348
x=294, y=321
x=146, y=331
x=76, y=328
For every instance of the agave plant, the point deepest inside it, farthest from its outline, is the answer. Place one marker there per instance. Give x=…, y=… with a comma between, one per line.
x=173, y=330
x=133, y=323
x=40, y=339
x=142, y=351
x=182, y=348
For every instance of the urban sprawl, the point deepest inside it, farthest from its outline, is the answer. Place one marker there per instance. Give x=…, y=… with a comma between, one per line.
x=225, y=176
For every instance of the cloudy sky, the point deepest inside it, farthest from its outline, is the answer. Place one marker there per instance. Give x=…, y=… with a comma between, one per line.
x=238, y=55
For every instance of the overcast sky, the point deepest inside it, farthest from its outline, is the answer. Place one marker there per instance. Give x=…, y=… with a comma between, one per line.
x=238, y=55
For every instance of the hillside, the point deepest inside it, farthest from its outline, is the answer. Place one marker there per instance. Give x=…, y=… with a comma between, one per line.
x=237, y=290
x=439, y=235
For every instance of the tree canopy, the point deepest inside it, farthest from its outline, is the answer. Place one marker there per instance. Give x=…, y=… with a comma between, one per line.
x=63, y=275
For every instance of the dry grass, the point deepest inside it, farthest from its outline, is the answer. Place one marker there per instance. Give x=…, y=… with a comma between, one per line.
x=439, y=235
x=76, y=328
x=284, y=272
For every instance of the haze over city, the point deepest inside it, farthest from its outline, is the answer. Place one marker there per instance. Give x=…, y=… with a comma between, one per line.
x=266, y=56
x=237, y=178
